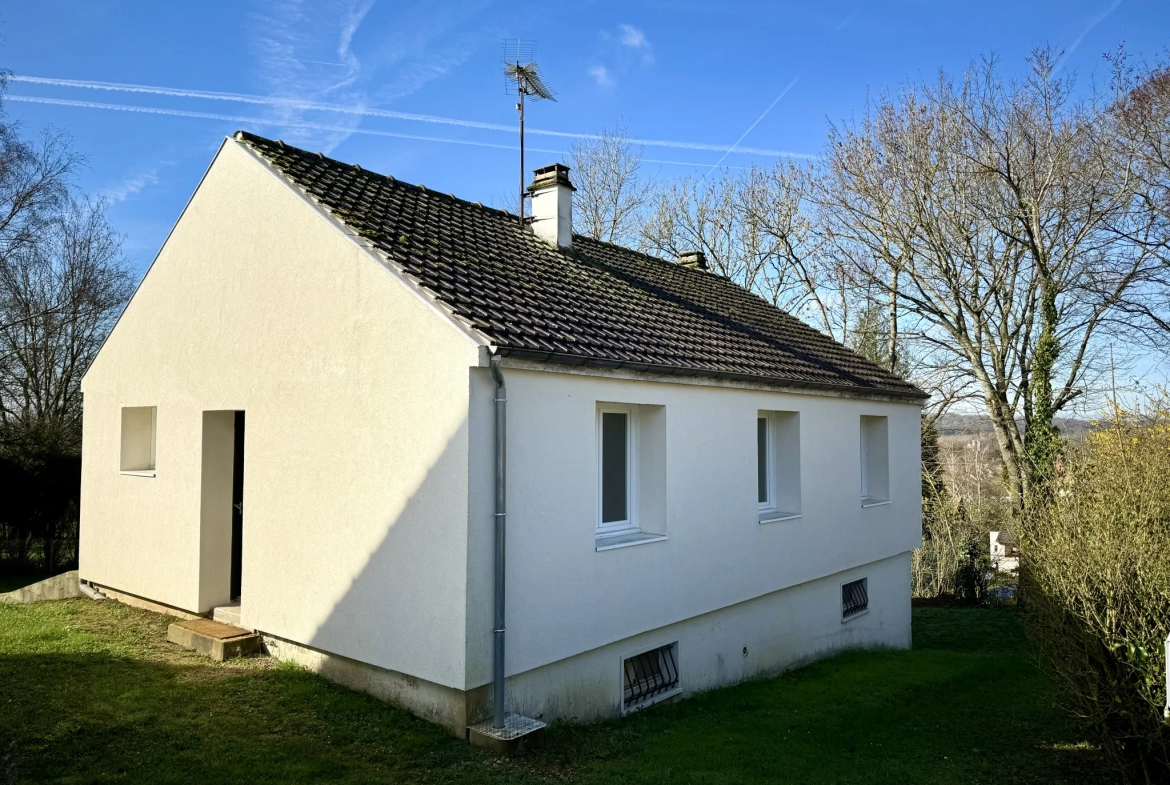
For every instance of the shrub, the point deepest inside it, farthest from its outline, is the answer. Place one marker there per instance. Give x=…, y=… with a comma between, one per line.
x=1095, y=579
x=974, y=571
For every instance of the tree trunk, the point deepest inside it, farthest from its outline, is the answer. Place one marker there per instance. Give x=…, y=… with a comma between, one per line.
x=894, y=321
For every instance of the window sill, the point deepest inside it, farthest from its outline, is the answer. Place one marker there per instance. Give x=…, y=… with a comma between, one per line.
x=873, y=502
x=851, y=617
x=610, y=542
x=776, y=516
x=137, y=473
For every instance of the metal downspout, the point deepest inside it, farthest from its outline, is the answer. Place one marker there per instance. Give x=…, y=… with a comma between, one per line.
x=501, y=524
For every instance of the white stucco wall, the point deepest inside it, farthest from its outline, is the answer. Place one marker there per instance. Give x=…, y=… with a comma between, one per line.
x=564, y=597
x=355, y=393
x=759, y=637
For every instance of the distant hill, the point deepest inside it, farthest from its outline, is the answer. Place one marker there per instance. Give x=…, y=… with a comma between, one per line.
x=971, y=424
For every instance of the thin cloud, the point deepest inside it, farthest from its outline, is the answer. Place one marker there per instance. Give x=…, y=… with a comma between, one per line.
x=632, y=37
x=362, y=111
x=1088, y=29
x=601, y=75
x=291, y=34
x=325, y=127
x=314, y=52
x=130, y=187
x=846, y=21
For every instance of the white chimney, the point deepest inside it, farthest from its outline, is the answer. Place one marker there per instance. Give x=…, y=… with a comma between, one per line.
x=552, y=205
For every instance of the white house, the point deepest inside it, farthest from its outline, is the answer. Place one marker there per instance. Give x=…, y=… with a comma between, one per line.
x=298, y=411
x=1005, y=555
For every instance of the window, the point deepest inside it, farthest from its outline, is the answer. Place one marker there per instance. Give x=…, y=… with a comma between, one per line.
x=778, y=465
x=138, y=439
x=631, y=474
x=617, y=454
x=875, y=461
x=650, y=677
x=854, y=598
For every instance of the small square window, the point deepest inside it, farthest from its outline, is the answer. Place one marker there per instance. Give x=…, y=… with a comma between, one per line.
x=778, y=465
x=138, y=438
x=875, y=460
x=854, y=598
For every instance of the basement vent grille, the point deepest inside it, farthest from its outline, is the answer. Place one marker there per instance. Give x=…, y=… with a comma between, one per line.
x=650, y=676
x=854, y=598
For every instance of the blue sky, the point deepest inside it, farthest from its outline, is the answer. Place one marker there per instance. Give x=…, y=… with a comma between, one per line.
x=692, y=75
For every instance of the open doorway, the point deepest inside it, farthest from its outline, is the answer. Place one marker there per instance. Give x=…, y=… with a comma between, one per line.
x=237, y=509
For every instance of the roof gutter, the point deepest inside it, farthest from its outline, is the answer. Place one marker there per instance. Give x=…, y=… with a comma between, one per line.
x=564, y=358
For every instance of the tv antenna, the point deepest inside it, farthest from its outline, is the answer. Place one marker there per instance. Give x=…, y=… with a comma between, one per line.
x=522, y=74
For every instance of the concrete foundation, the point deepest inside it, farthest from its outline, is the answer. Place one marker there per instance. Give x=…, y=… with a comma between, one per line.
x=452, y=708
x=135, y=601
x=759, y=637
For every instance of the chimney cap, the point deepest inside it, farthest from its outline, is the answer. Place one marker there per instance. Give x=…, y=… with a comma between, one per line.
x=696, y=260
x=549, y=176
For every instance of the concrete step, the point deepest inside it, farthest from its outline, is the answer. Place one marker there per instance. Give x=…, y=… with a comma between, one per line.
x=228, y=614
x=215, y=639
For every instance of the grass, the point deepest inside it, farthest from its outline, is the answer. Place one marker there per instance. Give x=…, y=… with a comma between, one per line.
x=91, y=692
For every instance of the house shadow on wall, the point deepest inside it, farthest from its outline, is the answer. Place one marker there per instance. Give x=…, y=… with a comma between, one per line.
x=425, y=594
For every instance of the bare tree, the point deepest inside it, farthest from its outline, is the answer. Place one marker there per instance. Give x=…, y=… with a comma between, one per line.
x=34, y=180
x=1141, y=128
x=611, y=194
x=59, y=298
x=983, y=210
x=755, y=228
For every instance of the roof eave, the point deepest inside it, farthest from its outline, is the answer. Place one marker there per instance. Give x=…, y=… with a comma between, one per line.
x=561, y=358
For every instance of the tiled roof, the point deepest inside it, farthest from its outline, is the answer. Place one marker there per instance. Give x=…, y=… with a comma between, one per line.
x=597, y=303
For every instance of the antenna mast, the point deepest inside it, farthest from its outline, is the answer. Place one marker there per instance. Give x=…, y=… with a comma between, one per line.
x=521, y=71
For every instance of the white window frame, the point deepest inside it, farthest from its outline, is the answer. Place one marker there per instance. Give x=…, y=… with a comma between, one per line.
x=630, y=524
x=864, y=461
x=676, y=690
x=865, y=423
x=770, y=510
x=768, y=506
x=856, y=614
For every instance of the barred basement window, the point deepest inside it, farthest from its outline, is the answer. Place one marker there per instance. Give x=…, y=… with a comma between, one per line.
x=854, y=598
x=649, y=677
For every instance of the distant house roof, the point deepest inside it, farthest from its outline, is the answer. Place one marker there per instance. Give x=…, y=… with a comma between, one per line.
x=595, y=304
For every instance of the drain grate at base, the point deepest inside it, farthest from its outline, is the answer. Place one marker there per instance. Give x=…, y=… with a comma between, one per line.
x=519, y=734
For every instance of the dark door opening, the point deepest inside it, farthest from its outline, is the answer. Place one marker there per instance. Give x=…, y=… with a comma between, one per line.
x=238, y=508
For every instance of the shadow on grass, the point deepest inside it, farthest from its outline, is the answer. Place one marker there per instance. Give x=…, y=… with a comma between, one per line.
x=89, y=692
x=105, y=718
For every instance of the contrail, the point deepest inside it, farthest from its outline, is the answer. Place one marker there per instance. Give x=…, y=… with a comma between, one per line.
x=298, y=125
x=1096, y=21
x=369, y=112
x=783, y=93
x=253, y=120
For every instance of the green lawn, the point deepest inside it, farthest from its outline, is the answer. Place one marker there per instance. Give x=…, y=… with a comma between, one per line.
x=91, y=692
